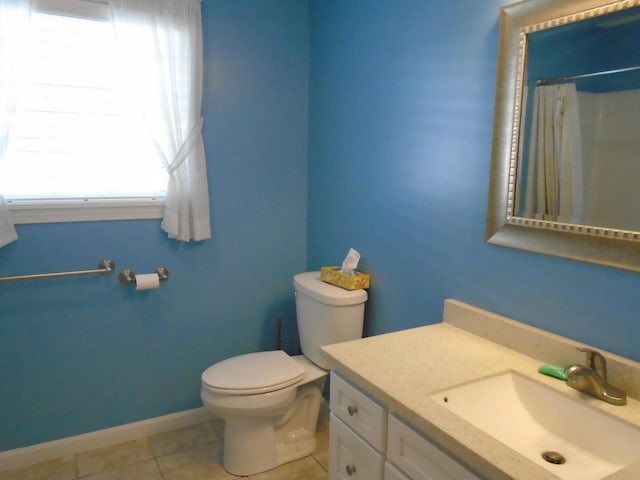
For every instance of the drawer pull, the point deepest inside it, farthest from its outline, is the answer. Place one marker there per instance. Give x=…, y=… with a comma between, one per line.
x=352, y=410
x=351, y=470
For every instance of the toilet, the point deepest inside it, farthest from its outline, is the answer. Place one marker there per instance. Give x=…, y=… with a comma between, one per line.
x=270, y=401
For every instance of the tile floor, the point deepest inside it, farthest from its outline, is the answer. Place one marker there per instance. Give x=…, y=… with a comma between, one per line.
x=192, y=453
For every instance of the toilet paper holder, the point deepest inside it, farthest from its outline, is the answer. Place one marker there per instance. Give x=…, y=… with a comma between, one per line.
x=129, y=276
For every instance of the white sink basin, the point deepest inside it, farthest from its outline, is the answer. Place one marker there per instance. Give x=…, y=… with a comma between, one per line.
x=532, y=419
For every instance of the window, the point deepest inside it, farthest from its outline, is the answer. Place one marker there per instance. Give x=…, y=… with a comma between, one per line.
x=78, y=147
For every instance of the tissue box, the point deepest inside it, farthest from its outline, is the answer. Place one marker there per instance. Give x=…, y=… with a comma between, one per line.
x=334, y=276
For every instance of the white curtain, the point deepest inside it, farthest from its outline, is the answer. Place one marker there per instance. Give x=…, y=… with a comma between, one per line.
x=170, y=94
x=554, y=175
x=14, y=15
x=610, y=143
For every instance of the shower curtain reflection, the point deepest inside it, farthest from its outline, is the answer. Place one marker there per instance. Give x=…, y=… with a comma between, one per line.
x=582, y=165
x=554, y=183
x=611, y=165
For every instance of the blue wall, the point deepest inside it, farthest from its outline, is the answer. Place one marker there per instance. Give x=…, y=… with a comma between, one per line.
x=400, y=122
x=400, y=119
x=81, y=354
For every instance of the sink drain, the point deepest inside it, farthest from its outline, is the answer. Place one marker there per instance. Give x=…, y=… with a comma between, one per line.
x=554, y=457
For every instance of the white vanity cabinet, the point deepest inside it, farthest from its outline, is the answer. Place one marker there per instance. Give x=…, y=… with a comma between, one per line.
x=391, y=472
x=420, y=459
x=368, y=444
x=359, y=412
x=350, y=457
x=357, y=433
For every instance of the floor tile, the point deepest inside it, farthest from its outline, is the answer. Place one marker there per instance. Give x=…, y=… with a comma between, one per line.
x=322, y=436
x=183, y=439
x=145, y=470
x=218, y=425
x=304, y=469
x=323, y=459
x=59, y=469
x=202, y=463
x=111, y=458
x=321, y=452
x=192, y=453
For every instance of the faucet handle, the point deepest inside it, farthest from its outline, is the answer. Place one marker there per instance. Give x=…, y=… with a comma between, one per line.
x=595, y=361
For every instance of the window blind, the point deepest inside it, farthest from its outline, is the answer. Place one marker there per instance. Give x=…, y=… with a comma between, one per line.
x=76, y=133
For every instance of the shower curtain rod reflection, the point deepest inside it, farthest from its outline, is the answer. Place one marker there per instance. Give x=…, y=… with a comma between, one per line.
x=105, y=266
x=557, y=80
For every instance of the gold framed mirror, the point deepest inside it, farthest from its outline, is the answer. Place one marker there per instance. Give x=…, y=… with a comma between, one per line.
x=546, y=192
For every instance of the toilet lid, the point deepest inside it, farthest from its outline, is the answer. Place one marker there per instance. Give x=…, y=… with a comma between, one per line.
x=253, y=373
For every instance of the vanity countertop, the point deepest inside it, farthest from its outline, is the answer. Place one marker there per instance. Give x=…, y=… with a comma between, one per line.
x=402, y=369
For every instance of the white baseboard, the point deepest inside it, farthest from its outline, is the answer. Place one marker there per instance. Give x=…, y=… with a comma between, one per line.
x=64, y=447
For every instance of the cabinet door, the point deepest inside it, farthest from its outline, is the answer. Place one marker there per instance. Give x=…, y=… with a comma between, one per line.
x=364, y=416
x=420, y=459
x=392, y=473
x=350, y=457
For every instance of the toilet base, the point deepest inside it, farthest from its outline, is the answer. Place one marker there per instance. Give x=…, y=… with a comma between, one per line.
x=254, y=445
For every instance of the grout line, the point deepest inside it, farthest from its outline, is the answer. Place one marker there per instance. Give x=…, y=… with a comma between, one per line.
x=318, y=462
x=155, y=459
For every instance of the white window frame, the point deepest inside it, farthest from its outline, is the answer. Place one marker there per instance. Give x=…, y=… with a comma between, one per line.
x=54, y=211
x=25, y=211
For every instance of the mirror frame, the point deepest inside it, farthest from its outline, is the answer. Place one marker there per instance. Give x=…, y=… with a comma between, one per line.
x=600, y=245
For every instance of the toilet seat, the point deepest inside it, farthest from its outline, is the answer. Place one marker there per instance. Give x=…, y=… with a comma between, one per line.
x=253, y=373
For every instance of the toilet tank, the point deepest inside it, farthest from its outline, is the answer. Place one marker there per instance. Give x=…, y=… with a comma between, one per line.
x=326, y=314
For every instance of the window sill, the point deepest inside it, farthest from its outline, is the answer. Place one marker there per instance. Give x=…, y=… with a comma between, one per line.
x=22, y=212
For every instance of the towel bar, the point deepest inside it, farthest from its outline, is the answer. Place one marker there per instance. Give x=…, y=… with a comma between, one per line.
x=105, y=266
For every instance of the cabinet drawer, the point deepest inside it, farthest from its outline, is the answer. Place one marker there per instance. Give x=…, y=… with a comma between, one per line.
x=392, y=473
x=359, y=412
x=350, y=457
x=418, y=458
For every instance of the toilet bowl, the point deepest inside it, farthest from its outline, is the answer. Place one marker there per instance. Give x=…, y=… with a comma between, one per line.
x=269, y=420
x=270, y=401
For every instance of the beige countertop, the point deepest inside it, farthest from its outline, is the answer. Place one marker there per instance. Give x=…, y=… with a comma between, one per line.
x=402, y=369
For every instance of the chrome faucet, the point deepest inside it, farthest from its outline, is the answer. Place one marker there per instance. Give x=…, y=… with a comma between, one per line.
x=592, y=379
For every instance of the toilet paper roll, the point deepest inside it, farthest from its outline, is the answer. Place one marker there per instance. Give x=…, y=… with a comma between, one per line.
x=147, y=281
